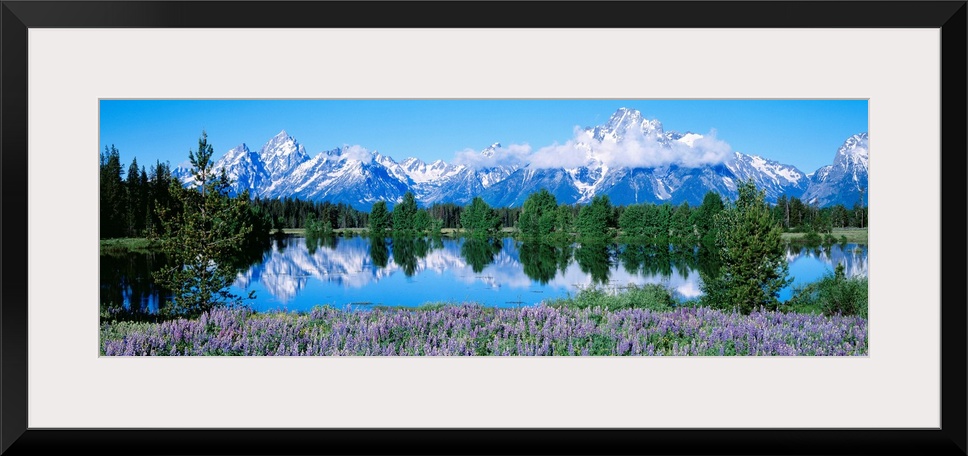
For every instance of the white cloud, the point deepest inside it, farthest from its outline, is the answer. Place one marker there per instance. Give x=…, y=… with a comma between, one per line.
x=635, y=150
x=568, y=155
x=512, y=155
x=357, y=152
x=638, y=150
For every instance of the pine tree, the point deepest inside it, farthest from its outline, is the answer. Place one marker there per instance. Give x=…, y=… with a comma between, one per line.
x=421, y=221
x=680, y=226
x=202, y=240
x=753, y=263
x=379, y=219
x=594, y=220
x=632, y=222
x=537, y=217
x=135, y=201
x=479, y=220
x=113, y=207
x=705, y=216
x=404, y=214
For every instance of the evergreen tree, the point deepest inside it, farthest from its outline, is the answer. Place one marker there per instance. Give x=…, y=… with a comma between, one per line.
x=202, y=240
x=379, y=219
x=564, y=223
x=160, y=198
x=404, y=214
x=654, y=226
x=113, y=204
x=594, y=220
x=479, y=220
x=632, y=222
x=136, y=205
x=782, y=211
x=753, y=263
x=704, y=217
x=421, y=221
x=537, y=217
x=680, y=226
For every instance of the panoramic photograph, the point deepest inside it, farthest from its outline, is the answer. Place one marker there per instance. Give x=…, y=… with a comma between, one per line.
x=483, y=227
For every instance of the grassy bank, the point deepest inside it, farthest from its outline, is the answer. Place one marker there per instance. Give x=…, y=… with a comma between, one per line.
x=337, y=231
x=853, y=235
x=124, y=245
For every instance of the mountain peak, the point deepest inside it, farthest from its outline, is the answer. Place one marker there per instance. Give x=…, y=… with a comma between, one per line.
x=282, y=154
x=489, y=151
x=623, y=121
x=854, y=151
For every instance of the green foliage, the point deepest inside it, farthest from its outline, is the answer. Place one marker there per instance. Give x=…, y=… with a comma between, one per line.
x=753, y=263
x=379, y=218
x=112, y=203
x=595, y=220
x=564, y=224
x=538, y=215
x=632, y=223
x=205, y=240
x=122, y=246
x=421, y=221
x=404, y=214
x=479, y=220
x=436, y=225
x=650, y=296
x=832, y=295
x=812, y=238
x=291, y=213
x=318, y=228
x=705, y=215
x=681, y=230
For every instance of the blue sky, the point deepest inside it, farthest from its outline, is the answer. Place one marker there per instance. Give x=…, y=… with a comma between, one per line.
x=803, y=133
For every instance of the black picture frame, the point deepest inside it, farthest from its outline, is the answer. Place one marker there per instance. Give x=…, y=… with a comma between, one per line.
x=17, y=17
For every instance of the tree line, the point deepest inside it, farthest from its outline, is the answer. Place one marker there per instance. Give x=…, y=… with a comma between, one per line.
x=129, y=204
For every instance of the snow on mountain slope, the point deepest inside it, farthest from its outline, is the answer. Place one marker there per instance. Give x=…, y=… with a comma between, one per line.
x=629, y=158
x=846, y=180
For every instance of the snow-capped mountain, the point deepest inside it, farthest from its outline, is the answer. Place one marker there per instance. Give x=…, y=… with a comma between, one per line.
x=629, y=158
x=664, y=182
x=342, y=175
x=282, y=154
x=256, y=172
x=845, y=181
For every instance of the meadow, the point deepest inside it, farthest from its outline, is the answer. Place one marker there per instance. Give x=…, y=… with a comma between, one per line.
x=474, y=330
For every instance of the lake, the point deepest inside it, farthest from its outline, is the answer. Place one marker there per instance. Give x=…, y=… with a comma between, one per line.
x=297, y=273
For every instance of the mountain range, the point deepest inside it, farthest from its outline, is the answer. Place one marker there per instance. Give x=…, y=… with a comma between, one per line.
x=629, y=158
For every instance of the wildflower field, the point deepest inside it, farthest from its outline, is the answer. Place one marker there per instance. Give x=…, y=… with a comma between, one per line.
x=474, y=330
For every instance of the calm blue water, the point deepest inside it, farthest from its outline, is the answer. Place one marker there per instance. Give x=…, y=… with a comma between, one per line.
x=505, y=275
x=296, y=274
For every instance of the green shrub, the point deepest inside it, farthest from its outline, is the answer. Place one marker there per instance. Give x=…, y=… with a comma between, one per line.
x=649, y=296
x=812, y=238
x=832, y=295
